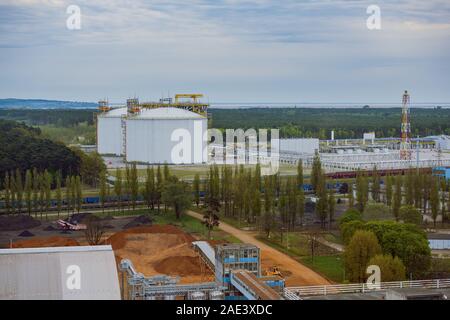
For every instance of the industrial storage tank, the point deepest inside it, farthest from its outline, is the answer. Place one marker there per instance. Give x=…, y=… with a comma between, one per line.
x=166, y=135
x=198, y=295
x=110, y=132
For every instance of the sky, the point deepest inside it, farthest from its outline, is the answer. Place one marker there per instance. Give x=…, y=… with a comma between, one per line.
x=230, y=50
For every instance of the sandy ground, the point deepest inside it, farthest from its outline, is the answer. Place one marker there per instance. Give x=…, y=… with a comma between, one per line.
x=161, y=250
x=295, y=273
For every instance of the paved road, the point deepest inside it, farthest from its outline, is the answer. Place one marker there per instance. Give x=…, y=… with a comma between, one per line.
x=300, y=274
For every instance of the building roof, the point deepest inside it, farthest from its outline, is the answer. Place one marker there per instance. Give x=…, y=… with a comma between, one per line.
x=116, y=112
x=53, y=273
x=166, y=113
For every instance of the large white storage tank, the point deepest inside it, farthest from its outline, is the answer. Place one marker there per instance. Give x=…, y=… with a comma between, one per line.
x=109, y=132
x=171, y=135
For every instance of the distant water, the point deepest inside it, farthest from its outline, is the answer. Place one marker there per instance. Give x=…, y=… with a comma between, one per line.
x=55, y=104
x=240, y=105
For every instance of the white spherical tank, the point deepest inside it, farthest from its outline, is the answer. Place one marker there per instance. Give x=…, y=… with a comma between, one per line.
x=109, y=132
x=166, y=135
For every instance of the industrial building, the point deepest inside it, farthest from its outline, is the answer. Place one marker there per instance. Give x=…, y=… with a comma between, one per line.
x=237, y=277
x=109, y=131
x=167, y=134
x=59, y=273
x=155, y=132
x=299, y=146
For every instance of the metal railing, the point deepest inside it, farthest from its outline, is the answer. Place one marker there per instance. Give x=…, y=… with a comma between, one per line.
x=366, y=288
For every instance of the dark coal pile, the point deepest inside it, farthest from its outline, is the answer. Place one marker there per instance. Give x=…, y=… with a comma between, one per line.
x=108, y=226
x=142, y=220
x=82, y=218
x=19, y=222
x=49, y=228
x=66, y=232
x=26, y=233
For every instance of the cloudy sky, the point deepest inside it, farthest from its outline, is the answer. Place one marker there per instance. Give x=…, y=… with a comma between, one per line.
x=231, y=50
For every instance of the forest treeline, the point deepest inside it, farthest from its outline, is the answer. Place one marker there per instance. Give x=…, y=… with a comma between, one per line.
x=56, y=117
x=22, y=147
x=347, y=123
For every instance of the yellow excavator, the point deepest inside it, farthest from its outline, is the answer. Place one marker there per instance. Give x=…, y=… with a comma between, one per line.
x=274, y=271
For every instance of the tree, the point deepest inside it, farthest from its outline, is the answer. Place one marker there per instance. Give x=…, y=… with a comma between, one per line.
x=268, y=219
x=301, y=204
x=68, y=193
x=19, y=191
x=149, y=190
x=35, y=183
x=47, y=179
x=28, y=191
x=375, y=185
x=397, y=197
x=351, y=198
x=331, y=206
x=316, y=173
x=388, y=192
x=434, y=200
x=78, y=193
x=409, y=188
x=322, y=201
x=409, y=214
x=196, y=186
x=362, y=247
x=211, y=219
x=159, y=187
x=300, y=174
x=103, y=191
x=134, y=185
x=313, y=243
x=6, y=186
x=177, y=194
x=350, y=215
x=94, y=231
x=118, y=188
x=392, y=268
x=58, y=193
x=377, y=211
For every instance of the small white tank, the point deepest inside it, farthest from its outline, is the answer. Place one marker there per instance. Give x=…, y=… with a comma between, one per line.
x=216, y=295
x=198, y=295
x=169, y=297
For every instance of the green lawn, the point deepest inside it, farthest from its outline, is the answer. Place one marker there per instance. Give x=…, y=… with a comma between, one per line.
x=331, y=266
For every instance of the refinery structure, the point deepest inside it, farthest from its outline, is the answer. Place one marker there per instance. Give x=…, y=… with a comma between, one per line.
x=149, y=132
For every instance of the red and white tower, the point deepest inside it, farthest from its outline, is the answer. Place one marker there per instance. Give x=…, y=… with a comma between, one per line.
x=405, y=144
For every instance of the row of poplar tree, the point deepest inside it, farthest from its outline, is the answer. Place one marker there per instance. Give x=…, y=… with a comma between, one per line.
x=32, y=192
x=417, y=188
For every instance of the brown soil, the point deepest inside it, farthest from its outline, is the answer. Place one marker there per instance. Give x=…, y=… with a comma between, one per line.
x=295, y=273
x=160, y=250
x=45, y=242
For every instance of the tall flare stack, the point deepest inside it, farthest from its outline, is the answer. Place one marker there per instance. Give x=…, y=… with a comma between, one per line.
x=405, y=145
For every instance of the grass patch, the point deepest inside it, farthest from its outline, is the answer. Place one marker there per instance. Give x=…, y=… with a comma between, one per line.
x=331, y=266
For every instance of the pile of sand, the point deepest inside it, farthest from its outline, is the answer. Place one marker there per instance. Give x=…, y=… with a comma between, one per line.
x=55, y=241
x=159, y=250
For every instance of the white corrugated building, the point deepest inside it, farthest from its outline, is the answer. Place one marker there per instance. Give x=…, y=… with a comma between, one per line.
x=59, y=273
x=171, y=135
x=109, y=132
x=303, y=145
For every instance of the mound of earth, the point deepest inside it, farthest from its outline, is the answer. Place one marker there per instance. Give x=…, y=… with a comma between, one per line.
x=55, y=241
x=82, y=217
x=19, y=222
x=49, y=228
x=25, y=233
x=179, y=266
x=141, y=220
x=159, y=249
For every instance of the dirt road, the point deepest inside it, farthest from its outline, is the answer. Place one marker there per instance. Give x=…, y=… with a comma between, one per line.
x=296, y=274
